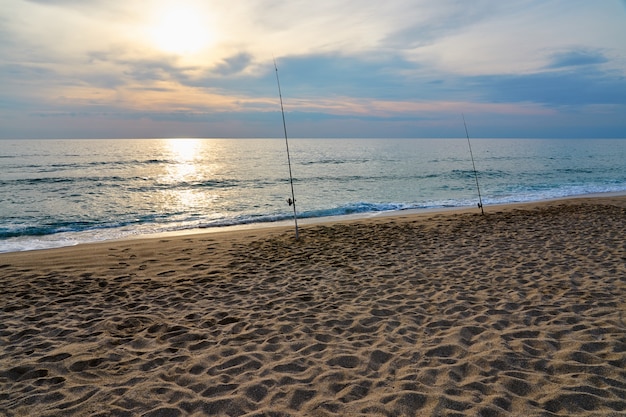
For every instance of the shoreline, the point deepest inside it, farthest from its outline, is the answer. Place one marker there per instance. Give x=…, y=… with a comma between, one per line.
x=304, y=222
x=518, y=312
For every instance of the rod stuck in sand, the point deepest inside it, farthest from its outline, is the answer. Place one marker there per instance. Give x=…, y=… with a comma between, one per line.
x=291, y=201
x=480, y=200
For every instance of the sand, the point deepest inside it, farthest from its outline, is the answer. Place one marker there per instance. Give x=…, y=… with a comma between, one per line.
x=520, y=312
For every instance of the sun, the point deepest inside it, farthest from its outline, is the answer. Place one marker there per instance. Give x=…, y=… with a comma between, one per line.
x=180, y=30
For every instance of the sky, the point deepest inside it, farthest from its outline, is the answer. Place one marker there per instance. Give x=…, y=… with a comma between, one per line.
x=347, y=68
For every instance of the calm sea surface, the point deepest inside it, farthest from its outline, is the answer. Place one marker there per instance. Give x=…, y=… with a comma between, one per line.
x=63, y=192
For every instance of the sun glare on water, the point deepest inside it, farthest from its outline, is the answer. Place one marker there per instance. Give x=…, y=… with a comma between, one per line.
x=180, y=29
x=184, y=150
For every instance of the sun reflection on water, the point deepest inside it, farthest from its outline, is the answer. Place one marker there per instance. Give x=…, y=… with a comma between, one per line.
x=184, y=149
x=186, y=172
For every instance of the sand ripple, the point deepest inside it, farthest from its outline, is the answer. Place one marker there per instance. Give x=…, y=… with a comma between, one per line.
x=520, y=312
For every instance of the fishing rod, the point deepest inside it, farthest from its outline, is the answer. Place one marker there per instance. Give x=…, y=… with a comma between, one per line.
x=480, y=200
x=292, y=200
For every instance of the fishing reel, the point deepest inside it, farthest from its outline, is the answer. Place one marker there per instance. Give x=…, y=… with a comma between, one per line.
x=291, y=202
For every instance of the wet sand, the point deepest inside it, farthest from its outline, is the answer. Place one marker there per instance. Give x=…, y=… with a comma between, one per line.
x=520, y=312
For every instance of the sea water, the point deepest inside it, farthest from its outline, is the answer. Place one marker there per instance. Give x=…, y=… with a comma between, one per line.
x=63, y=192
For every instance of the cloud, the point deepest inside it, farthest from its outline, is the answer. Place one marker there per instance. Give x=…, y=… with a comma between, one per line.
x=577, y=57
x=425, y=23
x=341, y=75
x=358, y=67
x=233, y=65
x=583, y=87
x=88, y=3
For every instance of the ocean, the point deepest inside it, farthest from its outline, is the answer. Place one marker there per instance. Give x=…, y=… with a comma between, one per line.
x=64, y=192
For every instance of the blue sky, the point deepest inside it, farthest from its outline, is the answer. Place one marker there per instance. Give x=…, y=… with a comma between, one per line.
x=352, y=68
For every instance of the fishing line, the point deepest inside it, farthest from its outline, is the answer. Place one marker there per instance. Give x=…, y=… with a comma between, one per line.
x=292, y=200
x=480, y=200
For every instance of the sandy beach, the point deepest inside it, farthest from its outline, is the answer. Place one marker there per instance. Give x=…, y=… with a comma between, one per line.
x=520, y=312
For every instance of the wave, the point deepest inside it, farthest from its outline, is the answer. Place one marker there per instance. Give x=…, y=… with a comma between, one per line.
x=55, y=167
x=342, y=210
x=18, y=230
x=357, y=208
x=76, y=180
x=132, y=183
x=172, y=221
x=75, y=226
x=17, y=237
x=178, y=221
x=331, y=161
